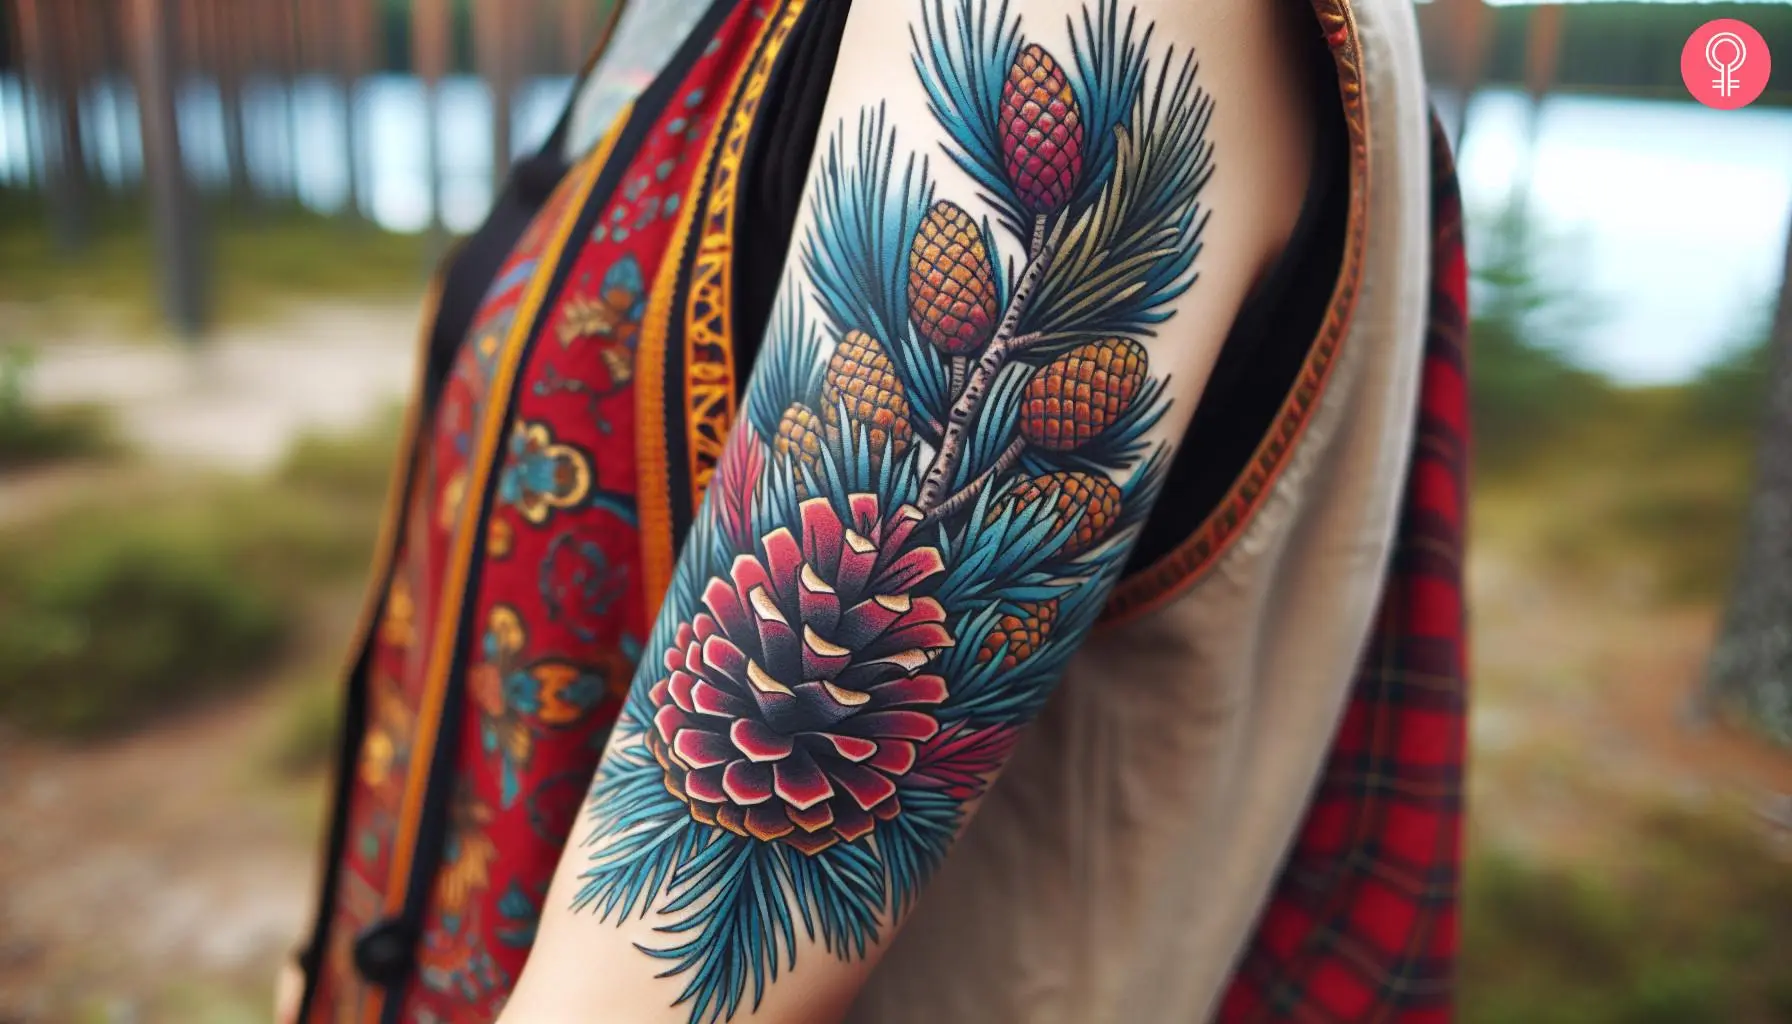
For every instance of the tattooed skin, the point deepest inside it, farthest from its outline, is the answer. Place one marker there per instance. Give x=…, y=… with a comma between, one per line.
x=944, y=460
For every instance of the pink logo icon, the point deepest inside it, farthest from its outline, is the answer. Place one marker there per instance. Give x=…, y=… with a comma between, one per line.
x=1726, y=64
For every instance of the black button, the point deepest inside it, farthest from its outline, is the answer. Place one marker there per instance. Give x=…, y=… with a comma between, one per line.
x=385, y=952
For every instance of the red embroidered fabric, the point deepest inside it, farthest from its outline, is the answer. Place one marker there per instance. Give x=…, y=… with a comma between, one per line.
x=556, y=597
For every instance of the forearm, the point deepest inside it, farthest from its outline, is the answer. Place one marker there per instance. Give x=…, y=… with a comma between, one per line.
x=963, y=412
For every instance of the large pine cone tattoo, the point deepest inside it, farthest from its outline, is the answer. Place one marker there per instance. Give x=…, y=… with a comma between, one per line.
x=861, y=376
x=789, y=709
x=1024, y=633
x=951, y=285
x=1094, y=495
x=1042, y=131
x=1076, y=397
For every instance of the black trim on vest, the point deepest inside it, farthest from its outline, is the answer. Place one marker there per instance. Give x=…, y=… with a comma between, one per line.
x=754, y=307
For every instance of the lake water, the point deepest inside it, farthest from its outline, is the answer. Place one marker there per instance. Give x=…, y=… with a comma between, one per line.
x=1669, y=220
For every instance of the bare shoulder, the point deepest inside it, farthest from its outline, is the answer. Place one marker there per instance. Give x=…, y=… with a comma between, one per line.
x=1255, y=58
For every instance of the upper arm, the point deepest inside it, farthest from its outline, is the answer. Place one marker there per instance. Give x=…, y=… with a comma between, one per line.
x=1026, y=233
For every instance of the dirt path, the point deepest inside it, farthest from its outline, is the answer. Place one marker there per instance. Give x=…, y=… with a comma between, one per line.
x=163, y=867
x=161, y=876
x=1578, y=715
x=237, y=400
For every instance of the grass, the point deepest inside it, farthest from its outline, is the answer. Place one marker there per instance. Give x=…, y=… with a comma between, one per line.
x=1687, y=924
x=258, y=258
x=1584, y=493
x=1639, y=492
x=123, y=620
x=147, y=598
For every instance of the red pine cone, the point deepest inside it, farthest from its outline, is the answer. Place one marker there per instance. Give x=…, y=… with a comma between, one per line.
x=793, y=704
x=1042, y=135
x=1094, y=495
x=1077, y=396
x=861, y=375
x=1023, y=633
x=951, y=285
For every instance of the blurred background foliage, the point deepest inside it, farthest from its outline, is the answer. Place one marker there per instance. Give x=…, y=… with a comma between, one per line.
x=170, y=625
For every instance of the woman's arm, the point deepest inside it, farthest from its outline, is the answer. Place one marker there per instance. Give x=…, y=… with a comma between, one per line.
x=1028, y=229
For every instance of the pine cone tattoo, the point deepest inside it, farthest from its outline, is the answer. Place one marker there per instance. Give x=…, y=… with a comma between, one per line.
x=800, y=438
x=1024, y=633
x=1076, y=397
x=1093, y=495
x=861, y=376
x=951, y=285
x=1042, y=131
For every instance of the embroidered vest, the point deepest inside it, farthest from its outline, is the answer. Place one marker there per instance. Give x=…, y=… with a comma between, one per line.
x=1303, y=861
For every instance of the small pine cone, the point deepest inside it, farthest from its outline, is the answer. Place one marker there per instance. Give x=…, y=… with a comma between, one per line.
x=951, y=285
x=1095, y=496
x=1023, y=633
x=861, y=376
x=1077, y=396
x=799, y=436
x=1042, y=130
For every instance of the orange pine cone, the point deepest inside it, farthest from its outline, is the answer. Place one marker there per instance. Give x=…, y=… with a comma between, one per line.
x=861, y=376
x=1077, y=396
x=951, y=285
x=1042, y=130
x=1023, y=633
x=1095, y=496
x=799, y=437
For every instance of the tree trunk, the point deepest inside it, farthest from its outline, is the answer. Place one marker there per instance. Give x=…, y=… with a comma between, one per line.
x=46, y=38
x=228, y=29
x=575, y=34
x=432, y=26
x=283, y=29
x=178, y=232
x=82, y=59
x=1467, y=29
x=125, y=172
x=495, y=36
x=1750, y=671
x=358, y=44
x=1542, y=61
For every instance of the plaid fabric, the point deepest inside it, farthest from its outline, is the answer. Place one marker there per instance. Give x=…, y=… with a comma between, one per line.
x=1362, y=923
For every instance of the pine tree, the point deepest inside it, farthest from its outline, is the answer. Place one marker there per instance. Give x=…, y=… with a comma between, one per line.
x=1750, y=671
